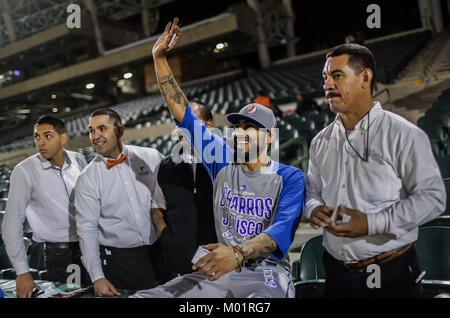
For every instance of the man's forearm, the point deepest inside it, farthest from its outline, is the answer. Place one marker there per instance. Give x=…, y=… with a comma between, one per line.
x=158, y=220
x=260, y=246
x=170, y=90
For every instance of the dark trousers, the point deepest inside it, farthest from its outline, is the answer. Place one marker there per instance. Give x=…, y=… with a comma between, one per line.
x=397, y=278
x=59, y=257
x=128, y=268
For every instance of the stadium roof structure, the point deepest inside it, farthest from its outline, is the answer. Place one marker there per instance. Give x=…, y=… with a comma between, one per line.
x=23, y=18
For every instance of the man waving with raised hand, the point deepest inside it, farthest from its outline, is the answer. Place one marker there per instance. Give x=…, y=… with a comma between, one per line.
x=257, y=201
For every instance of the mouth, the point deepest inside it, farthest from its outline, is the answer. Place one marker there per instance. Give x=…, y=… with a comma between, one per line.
x=242, y=142
x=43, y=150
x=99, y=143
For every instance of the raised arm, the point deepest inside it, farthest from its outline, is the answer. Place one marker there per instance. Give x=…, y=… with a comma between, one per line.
x=170, y=90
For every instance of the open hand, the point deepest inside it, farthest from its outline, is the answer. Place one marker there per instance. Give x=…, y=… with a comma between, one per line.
x=161, y=46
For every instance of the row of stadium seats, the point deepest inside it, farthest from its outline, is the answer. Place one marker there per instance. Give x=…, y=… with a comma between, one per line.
x=308, y=272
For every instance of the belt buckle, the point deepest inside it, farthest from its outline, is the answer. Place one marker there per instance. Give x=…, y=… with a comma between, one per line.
x=352, y=267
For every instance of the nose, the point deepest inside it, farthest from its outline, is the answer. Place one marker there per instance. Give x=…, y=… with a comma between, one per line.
x=238, y=132
x=329, y=84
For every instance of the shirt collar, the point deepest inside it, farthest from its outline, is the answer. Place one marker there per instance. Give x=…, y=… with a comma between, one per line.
x=47, y=164
x=124, y=152
x=362, y=123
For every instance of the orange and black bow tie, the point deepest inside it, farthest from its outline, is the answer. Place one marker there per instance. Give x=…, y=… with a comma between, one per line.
x=112, y=163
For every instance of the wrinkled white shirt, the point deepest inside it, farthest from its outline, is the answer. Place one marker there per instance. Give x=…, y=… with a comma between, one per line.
x=41, y=193
x=113, y=205
x=399, y=188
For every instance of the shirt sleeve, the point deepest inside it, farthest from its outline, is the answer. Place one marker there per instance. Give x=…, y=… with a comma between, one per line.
x=213, y=150
x=425, y=198
x=158, y=200
x=87, y=217
x=289, y=210
x=313, y=184
x=12, y=226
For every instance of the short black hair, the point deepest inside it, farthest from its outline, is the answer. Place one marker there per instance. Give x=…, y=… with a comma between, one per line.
x=113, y=115
x=205, y=112
x=360, y=58
x=57, y=123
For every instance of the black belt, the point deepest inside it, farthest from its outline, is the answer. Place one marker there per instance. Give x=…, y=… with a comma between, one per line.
x=61, y=245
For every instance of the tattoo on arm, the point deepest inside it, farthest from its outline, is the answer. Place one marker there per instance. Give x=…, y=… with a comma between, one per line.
x=261, y=245
x=170, y=90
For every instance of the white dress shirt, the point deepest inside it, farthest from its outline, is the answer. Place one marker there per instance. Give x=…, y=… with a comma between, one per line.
x=399, y=188
x=43, y=194
x=113, y=205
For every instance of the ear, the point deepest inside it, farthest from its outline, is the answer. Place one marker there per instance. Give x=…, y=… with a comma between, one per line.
x=271, y=136
x=121, y=131
x=367, y=76
x=64, y=138
x=209, y=124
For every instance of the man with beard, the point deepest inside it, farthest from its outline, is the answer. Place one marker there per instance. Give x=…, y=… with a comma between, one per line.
x=114, y=197
x=42, y=191
x=257, y=201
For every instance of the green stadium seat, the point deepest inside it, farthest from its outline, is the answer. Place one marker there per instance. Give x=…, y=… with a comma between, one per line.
x=433, y=249
x=444, y=165
x=308, y=272
x=310, y=266
x=3, y=202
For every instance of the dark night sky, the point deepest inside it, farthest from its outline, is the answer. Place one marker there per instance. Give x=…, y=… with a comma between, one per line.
x=319, y=24
x=315, y=19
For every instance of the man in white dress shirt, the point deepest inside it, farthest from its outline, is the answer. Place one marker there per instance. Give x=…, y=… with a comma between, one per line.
x=114, y=197
x=380, y=170
x=41, y=191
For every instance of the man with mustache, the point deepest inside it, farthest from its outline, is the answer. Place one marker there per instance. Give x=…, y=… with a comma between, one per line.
x=42, y=191
x=378, y=170
x=257, y=201
x=115, y=195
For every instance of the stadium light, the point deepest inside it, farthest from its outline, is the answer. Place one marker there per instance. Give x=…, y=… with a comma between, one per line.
x=220, y=47
x=53, y=96
x=55, y=110
x=90, y=85
x=128, y=75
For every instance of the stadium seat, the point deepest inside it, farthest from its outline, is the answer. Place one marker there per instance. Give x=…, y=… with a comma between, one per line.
x=2, y=215
x=3, y=202
x=37, y=260
x=433, y=249
x=309, y=265
x=444, y=165
x=308, y=272
x=444, y=218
